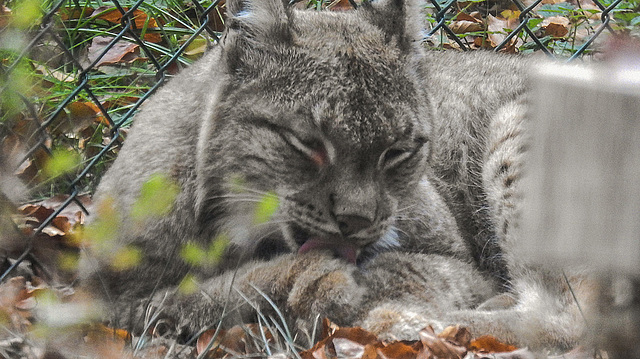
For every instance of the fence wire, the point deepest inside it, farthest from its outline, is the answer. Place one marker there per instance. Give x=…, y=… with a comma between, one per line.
x=73, y=74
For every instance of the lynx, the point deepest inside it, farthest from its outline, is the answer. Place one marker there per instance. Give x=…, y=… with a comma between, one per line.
x=397, y=172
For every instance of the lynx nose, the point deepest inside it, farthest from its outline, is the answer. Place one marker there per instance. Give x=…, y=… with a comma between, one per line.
x=350, y=224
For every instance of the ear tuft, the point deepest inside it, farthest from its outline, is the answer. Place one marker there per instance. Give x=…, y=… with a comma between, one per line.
x=266, y=21
x=398, y=19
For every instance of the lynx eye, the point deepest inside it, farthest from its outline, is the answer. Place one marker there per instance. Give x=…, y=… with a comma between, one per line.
x=391, y=157
x=314, y=149
x=396, y=154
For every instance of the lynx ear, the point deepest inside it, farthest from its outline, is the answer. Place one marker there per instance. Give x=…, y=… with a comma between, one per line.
x=265, y=21
x=401, y=20
x=253, y=24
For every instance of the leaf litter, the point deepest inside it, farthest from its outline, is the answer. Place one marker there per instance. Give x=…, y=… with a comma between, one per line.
x=36, y=309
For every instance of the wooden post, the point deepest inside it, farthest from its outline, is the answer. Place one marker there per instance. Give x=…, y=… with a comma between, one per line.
x=583, y=174
x=582, y=189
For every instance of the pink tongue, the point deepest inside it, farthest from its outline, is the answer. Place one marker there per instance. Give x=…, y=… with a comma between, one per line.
x=345, y=251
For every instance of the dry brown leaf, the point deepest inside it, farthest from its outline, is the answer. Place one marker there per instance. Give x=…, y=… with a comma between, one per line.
x=466, y=23
x=346, y=348
x=83, y=114
x=52, y=231
x=355, y=339
x=497, y=34
x=236, y=340
x=65, y=223
x=120, y=53
x=140, y=18
x=5, y=16
x=512, y=17
x=490, y=344
x=340, y=5
x=556, y=26
x=56, y=74
x=114, y=16
x=441, y=348
x=12, y=292
x=496, y=28
x=74, y=13
x=456, y=334
x=399, y=350
x=463, y=26
x=328, y=328
x=37, y=211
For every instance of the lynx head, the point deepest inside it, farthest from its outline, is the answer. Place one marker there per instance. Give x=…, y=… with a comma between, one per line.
x=325, y=109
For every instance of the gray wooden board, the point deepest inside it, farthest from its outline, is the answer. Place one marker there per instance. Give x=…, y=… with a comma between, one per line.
x=582, y=187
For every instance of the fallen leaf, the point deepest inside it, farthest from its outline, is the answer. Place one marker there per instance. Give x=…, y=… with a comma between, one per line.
x=83, y=114
x=357, y=337
x=489, y=344
x=441, y=348
x=12, y=292
x=512, y=17
x=456, y=334
x=399, y=350
x=467, y=23
x=74, y=13
x=497, y=33
x=196, y=47
x=37, y=211
x=464, y=26
x=5, y=16
x=114, y=16
x=52, y=231
x=556, y=26
x=120, y=53
x=236, y=340
x=520, y=354
x=56, y=74
x=340, y=5
x=346, y=348
x=140, y=20
x=64, y=223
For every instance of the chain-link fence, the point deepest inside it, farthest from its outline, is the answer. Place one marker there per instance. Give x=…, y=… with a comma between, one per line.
x=74, y=73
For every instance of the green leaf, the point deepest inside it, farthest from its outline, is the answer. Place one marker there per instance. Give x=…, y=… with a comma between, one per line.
x=188, y=285
x=216, y=249
x=26, y=13
x=548, y=10
x=126, y=258
x=267, y=206
x=61, y=162
x=532, y=23
x=156, y=198
x=101, y=233
x=193, y=254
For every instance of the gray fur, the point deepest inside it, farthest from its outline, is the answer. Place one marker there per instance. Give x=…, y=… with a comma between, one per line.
x=422, y=155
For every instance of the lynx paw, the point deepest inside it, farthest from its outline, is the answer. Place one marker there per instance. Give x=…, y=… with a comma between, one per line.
x=325, y=287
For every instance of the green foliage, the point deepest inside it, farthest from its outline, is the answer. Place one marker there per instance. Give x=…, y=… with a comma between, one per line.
x=156, y=198
x=27, y=13
x=562, y=8
x=126, y=258
x=188, y=285
x=104, y=229
x=61, y=162
x=266, y=207
x=196, y=255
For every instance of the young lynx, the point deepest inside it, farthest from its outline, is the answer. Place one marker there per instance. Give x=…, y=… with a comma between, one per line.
x=397, y=173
